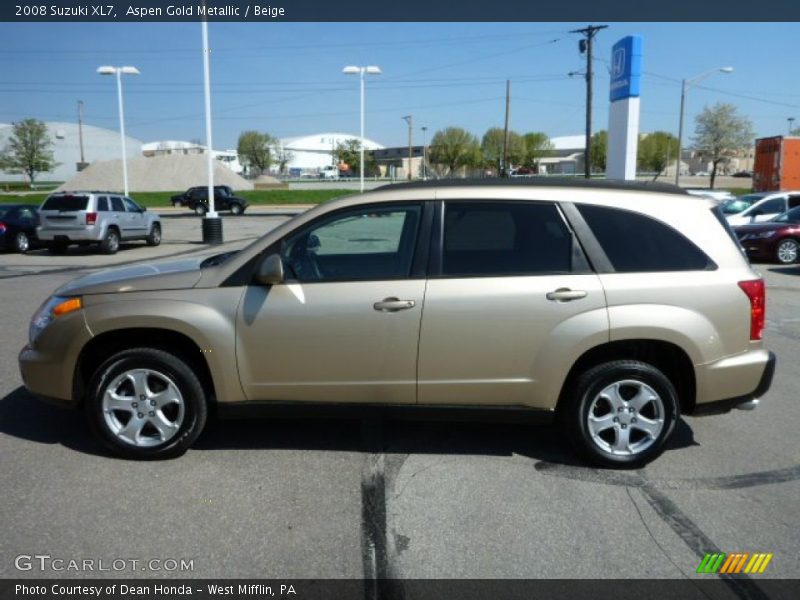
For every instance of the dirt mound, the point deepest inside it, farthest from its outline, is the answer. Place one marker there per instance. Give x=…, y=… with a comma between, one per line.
x=169, y=173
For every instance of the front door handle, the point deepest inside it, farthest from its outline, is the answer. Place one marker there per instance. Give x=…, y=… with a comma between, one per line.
x=566, y=294
x=393, y=305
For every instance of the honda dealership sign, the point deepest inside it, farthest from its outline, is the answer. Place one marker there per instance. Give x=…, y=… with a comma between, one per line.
x=623, y=115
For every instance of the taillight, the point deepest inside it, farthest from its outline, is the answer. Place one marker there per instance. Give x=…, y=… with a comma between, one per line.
x=91, y=218
x=756, y=293
x=2, y=227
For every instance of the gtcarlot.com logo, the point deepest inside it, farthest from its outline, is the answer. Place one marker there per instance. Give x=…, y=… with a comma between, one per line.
x=46, y=562
x=737, y=562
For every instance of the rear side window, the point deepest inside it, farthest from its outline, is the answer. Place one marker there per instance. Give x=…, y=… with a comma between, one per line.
x=116, y=204
x=504, y=238
x=776, y=205
x=636, y=243
x=65, y=203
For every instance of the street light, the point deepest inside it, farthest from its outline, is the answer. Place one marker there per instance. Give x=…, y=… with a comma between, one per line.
x=119, y=71
x=410, y=120
x=424, y=154
x=791, y=124
x=685, y=84
x=361, y=71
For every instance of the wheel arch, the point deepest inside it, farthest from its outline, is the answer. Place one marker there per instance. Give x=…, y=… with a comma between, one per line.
x=104, y=345
x=669, y=358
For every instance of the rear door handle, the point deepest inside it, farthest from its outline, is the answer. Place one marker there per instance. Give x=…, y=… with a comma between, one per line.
x=393, y=305
x=566, y=294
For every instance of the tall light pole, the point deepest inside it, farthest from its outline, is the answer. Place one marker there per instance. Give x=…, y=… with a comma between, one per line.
x=684, y=85
x=791, y=124
x=212, y=224
x=424, y=154
x=361, y=71
x=410, y=120
x=119, y=71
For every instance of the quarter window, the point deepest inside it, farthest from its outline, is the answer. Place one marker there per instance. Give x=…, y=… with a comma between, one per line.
x=636, y=243
x=102, y=204
x=504, y=238
x=370, y=243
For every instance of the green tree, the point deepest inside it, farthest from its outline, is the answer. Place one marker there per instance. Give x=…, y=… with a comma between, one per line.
x=598, y=146
x=492, y=148
x=719, y=132
x=537, y=145
x=454, y=148
x=656, y=151
x=29, y=150
x=281, y=155
x=349, y=153
x=254, y=150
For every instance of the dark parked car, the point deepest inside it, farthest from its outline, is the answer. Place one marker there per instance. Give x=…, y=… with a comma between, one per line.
x=18, y=227
x=778, y=239
x=747, y=174
x=196, y=199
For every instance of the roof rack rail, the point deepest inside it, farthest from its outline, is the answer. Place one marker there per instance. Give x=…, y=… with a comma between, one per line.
x=603, y=184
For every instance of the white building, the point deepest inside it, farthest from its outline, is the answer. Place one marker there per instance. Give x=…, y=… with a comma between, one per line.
x=98, y=144
x=312, y=152
x=229, y=158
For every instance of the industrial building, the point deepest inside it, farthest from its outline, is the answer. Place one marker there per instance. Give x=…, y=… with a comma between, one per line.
x=97, y=144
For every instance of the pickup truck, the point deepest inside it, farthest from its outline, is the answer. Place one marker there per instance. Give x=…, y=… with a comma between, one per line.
x=196, y=199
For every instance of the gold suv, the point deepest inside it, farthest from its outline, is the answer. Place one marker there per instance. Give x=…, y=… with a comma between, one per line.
x=612, y=307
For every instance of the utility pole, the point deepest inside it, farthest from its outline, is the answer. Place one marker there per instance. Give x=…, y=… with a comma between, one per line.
x=791, y=124
x=585, y=46
x=82, y=164
x=410, y=120
x=424, y=154
x=504, y=171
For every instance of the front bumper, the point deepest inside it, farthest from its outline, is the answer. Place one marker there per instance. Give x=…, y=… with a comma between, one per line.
x=747, y=401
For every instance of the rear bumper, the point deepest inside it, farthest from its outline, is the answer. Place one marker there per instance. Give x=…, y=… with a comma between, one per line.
x=746, y=400
x=88, y=234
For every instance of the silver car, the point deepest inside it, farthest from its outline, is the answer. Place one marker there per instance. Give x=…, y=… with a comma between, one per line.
x=103, y=218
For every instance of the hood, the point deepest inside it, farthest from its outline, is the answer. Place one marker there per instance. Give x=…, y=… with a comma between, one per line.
x=143, y=277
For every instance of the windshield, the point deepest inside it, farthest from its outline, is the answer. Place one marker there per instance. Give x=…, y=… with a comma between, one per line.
x=736, y=205
x=790, y=216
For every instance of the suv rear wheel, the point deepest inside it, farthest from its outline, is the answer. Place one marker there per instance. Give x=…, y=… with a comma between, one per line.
x=154, y=239
x=236, y=209
x=110, y=243
x=21, y=242
x=145, y=403
x=620, y=413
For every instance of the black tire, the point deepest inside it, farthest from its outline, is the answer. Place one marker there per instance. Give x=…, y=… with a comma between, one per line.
x=787, y=251
x=584, y=395
x=154, y=238
x=195, y=409
x=110, y=243
x=21, y=243
x=237, y=209
x=57, y=248
x=200, y=210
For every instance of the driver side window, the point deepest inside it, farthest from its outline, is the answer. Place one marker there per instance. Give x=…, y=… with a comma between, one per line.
x=367, y=243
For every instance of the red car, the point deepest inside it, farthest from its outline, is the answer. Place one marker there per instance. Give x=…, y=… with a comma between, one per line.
x=776, y=240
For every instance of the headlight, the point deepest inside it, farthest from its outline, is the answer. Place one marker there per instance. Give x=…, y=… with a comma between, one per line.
x=53, y=307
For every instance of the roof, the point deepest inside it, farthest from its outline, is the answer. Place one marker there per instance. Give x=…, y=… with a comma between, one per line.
x=604, y=184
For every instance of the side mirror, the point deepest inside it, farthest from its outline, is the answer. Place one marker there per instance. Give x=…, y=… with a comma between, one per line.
x=270, y=271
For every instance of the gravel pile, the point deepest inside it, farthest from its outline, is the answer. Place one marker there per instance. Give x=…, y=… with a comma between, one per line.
x=168, y=173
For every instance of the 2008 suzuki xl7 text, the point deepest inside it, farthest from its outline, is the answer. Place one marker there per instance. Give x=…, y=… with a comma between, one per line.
x=613, y=307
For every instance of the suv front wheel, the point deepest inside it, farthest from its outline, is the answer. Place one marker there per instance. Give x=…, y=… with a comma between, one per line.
x=620, y=413
x=145, y=403
x=110, y=243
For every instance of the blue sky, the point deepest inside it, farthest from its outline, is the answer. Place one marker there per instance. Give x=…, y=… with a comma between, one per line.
x=285, y=78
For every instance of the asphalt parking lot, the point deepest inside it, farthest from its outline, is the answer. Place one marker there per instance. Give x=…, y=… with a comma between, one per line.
x=343, y=498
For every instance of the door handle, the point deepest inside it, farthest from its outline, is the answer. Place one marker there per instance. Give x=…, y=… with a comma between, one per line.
x=566, y=294
x=393, y=305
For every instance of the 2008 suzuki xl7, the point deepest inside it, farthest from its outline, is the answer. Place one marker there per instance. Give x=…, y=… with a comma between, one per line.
x=614, y=307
